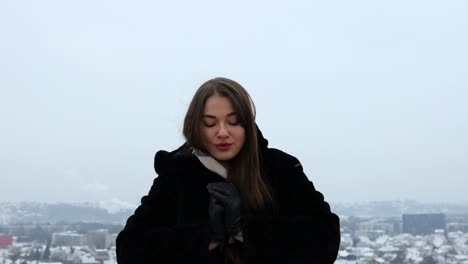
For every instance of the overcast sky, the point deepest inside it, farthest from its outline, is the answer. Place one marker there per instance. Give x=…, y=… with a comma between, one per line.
x=371, y=96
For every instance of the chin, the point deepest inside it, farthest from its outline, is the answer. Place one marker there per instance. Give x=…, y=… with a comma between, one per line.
x=224, y=156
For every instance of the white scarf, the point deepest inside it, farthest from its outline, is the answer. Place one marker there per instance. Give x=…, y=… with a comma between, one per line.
x=211, y=163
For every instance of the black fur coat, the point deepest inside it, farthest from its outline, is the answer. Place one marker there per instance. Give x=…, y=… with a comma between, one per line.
x=171, y=224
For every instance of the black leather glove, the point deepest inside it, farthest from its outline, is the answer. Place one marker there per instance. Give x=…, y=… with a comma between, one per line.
x=216, y=213
x=228, y=195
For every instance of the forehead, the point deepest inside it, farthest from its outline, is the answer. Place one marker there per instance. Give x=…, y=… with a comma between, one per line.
x=218, y=105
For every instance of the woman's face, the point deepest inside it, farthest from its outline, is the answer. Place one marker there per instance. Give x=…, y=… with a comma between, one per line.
x=221, y=131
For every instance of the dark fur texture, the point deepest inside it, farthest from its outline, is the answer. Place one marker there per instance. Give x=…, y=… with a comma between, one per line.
x=171, y=224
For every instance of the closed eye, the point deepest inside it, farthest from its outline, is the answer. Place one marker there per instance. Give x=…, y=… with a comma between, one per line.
x=209, y=125
x=233, y=119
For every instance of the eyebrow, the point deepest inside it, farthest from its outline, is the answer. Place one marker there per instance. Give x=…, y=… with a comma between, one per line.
x=214, y=117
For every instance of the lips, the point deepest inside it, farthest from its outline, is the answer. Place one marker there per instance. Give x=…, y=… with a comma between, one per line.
x=223, y=146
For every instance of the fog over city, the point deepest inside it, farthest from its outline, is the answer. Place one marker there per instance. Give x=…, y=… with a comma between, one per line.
x=371, y=96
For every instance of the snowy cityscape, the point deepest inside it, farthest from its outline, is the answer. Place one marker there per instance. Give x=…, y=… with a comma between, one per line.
x=423, y=237
x=418, y=238
x=359, y=104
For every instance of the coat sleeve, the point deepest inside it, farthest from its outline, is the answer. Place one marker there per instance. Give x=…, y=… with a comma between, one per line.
x=153, y=235
x=303, y=230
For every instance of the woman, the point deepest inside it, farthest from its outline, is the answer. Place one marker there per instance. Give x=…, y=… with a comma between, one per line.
x=226, y=197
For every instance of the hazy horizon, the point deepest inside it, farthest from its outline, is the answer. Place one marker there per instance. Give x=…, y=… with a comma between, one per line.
x=370, y=96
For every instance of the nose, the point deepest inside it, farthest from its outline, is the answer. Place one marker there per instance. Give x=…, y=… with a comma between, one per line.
x=222, y=132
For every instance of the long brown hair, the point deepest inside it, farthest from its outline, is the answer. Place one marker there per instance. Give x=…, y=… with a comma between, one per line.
x=244, y=169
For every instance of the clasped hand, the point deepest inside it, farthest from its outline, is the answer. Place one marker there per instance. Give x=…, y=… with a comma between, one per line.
x=224, y=210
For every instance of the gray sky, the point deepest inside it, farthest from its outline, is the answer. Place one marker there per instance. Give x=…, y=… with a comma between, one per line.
x=371, y=96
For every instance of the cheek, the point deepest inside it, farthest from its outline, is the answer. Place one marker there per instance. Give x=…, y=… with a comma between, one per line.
x=203, y=134
x=241, y=135
x=206, y=137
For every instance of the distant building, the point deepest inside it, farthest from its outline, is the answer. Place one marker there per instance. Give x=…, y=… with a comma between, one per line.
x=5, y=240
x=457, y=223
x=375, y=228
x=98, y=239
x=110, y=240
x=101, y=255
x=377, y=224
x=423, y=224
x=454, y=227
x=67, y=239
